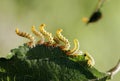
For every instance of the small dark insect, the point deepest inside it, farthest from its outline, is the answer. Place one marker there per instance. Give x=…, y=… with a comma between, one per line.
x=95, y=17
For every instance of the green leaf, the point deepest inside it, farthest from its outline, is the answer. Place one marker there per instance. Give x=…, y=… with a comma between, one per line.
x=46, y=63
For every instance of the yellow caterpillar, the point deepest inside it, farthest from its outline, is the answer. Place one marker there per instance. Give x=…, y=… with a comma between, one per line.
x=26, y=35
x=63, y=39
x=39, y=35
x=89, y=58
x=75, y=49
x=47, y=34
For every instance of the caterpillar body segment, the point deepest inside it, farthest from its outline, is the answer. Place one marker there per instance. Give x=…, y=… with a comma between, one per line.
x=47, y=34
x=63, y=39
x=26, y=35
x=51, y=39
x=57, y=41
x=89, y=58
x=38, y=34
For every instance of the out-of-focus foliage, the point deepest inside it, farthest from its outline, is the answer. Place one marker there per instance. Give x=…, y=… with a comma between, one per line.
x=101, y=39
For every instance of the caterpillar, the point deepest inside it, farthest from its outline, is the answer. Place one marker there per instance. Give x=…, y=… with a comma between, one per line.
x=63, y=39
x=26, y=35
x=75, y=49
x=47, y=34
x=89, y=58
x=39, y=35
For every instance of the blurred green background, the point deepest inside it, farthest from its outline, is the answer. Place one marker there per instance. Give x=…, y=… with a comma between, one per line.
x=100, y=39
